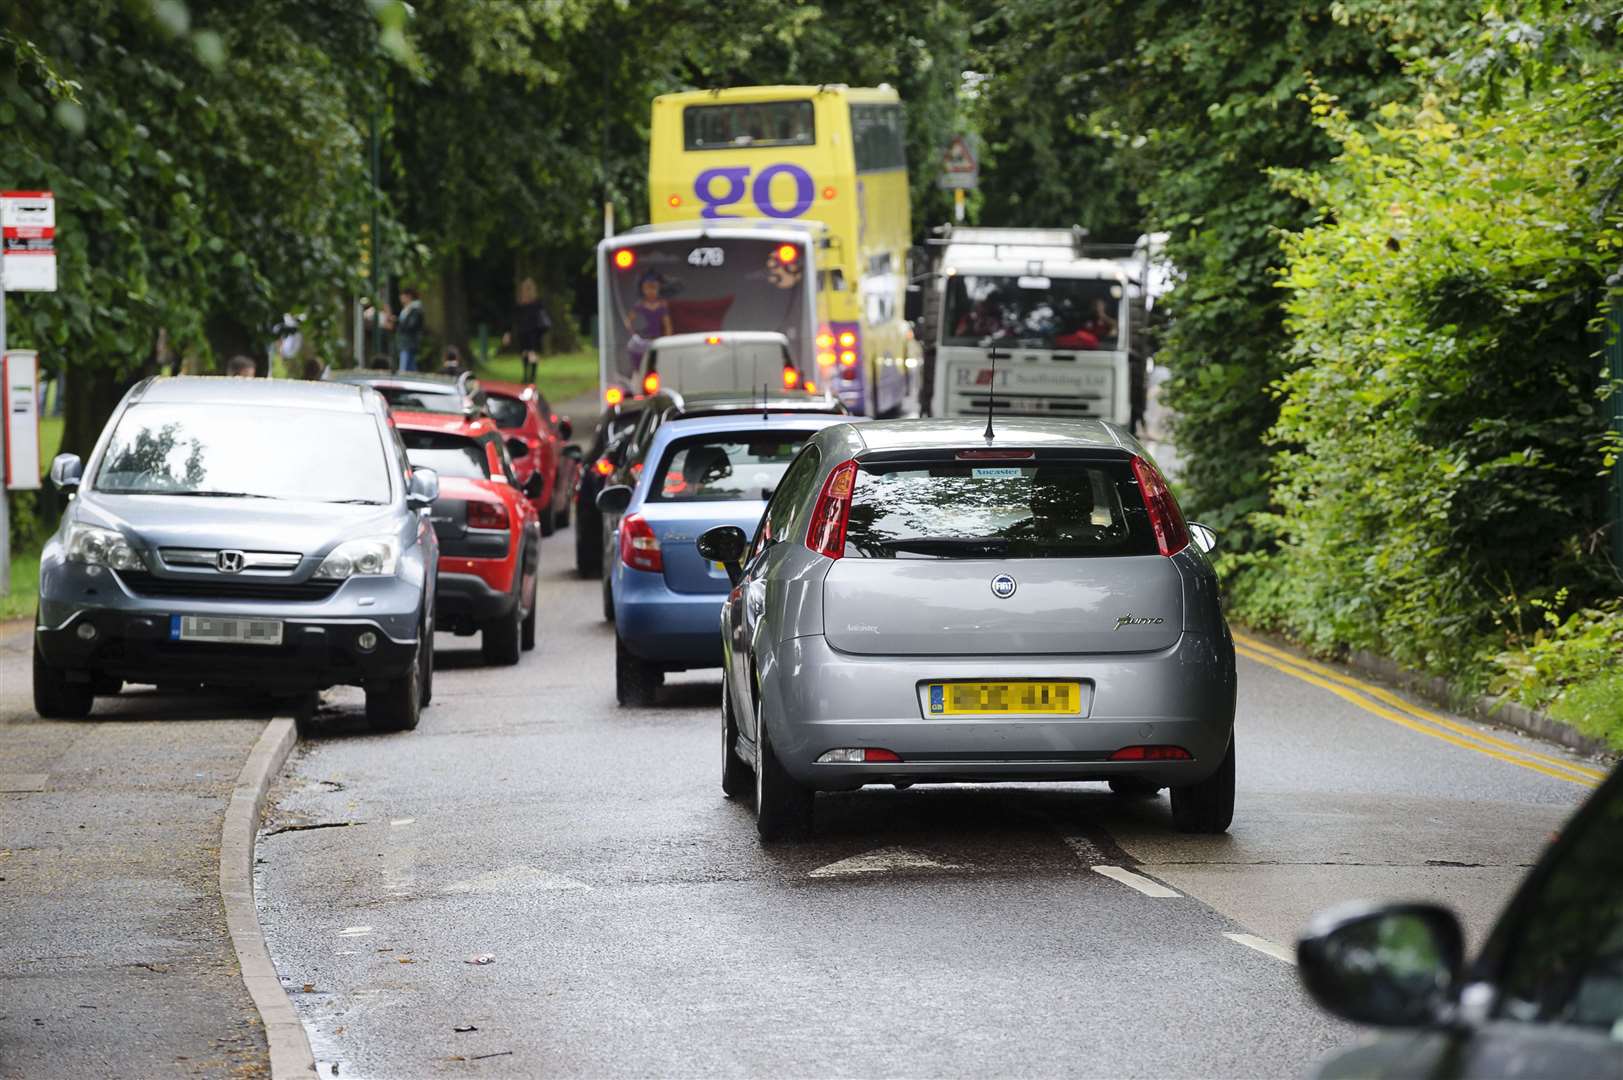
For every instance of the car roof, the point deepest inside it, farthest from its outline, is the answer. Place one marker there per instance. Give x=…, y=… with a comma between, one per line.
x=445, y=384
x=444, y=423
x=745, y=424
x=262, y=393
x=1013, y=431
x=717, y=402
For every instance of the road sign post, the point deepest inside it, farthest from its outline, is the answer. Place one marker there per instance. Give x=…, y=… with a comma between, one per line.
x=27, y=264
x=960, y=172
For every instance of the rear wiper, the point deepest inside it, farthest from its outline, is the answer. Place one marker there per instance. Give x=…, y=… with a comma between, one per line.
x=351, y=502
x=949, y=545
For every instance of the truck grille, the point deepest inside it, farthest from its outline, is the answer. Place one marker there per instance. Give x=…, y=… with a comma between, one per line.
x=144, y=584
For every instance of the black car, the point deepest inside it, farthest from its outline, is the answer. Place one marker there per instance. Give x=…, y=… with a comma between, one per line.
x=600, y=462
x=1544, y=998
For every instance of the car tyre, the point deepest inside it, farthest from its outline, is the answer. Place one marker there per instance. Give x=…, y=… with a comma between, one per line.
x=635, y=679
x=55, y=698
x=425, y=642
x=548, y=522
x=736, y=777
x=397, y=704
x=588, y=550
x=608, y=598
x=563, y=516
x=1207, y=807
x=502, y=640
x=1131, y=787
x=783, y=807
x=527, y=627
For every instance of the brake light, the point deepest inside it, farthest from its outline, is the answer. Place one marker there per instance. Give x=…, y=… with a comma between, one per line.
x=613, y=396
x=603, y=466
x=713, y=339
x=791, y=378
x=848, y=358
x=650, y=383
x=811, y=387
x=483, y=515
x=625, y=259
x=1171, y=534
x=848, y=340
x=1152, y=753
x=825, y=340
x=788, y=253
x=995, y=455
x=639, y=547
x=826, y=533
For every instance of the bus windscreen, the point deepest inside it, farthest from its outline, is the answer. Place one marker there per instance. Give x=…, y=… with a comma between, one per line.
x=697, y=286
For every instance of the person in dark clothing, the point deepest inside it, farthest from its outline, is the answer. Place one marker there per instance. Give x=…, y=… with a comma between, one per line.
x=409, y=328
x=531, y=323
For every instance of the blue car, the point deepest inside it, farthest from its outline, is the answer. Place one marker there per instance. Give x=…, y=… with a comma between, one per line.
x=699, y=473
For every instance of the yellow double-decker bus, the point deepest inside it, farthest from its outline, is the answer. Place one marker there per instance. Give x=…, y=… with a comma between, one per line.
x=833, y=156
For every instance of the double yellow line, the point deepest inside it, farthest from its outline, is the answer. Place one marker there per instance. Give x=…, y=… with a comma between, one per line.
x=1388, y=706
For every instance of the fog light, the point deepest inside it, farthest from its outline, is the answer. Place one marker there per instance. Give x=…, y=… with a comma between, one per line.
x=366, y=641
x=86, y=632
x=858, y=755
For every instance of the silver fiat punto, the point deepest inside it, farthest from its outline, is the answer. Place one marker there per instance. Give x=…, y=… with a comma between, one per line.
x=922, y=603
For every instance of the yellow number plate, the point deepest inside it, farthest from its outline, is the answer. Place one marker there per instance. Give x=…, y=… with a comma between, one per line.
x=958, y=698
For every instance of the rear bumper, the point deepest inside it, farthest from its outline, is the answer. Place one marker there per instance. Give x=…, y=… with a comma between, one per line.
x=682, y=630
x=462, y=600
x=1181, y=696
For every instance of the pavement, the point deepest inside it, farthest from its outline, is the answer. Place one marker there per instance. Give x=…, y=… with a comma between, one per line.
x=114, y=957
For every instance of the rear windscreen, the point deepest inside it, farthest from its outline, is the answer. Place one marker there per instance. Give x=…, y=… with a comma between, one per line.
x=448, y=455
x=756, y=123
x=725, y=468
x=422, y=399
x=997, y=510
x=508, y=412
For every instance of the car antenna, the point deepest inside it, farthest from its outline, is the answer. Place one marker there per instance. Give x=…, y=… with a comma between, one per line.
x=764, y=414
x=991, y=390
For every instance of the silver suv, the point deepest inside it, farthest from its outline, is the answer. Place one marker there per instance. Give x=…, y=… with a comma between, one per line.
x=241, y=532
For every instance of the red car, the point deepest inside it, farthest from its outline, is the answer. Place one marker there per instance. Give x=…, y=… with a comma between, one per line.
x=538, y=440
x=490, y=537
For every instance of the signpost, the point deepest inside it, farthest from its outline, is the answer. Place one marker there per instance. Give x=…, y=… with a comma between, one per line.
x=960, y=171
x=27, y=264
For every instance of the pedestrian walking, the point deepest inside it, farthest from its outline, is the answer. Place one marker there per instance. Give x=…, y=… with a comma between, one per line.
x=408, y=333
x=531, y=324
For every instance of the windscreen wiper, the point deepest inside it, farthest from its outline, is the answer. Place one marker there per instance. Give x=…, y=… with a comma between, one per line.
x=351, y=502
x=209, y=494
x=950, y=545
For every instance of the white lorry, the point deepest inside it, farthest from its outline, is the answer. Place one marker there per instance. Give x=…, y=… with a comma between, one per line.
x=1062, y=315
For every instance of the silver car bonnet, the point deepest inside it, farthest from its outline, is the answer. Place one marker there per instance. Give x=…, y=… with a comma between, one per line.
x=281, y=525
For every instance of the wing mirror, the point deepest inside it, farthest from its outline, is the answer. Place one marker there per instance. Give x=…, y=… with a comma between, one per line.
x=725, y=544
x=534, y=486
x=614, y=500
x=425, y=488
x=1390, y=965
x=1205, y=539
x=566, y=429
x=66, y=470
x=517, y=448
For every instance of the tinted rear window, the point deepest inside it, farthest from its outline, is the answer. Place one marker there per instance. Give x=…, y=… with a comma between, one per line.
x=725, y=468
x=508, y=412
x=422, y=399
x=448, y=455
x=756, y=123
x=998, y=510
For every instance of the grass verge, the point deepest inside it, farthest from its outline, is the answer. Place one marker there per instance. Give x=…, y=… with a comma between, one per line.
x=1594, y=707
x=559, y=377
x=19, y=602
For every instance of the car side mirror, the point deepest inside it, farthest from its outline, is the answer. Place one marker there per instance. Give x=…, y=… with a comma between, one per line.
x=425, y=488
x=1203, y=536
x=517, y=448
x=566, y=429
x=614, y=500
x=573, y=451
x=66, y=471
x=534, y=486
x=725, y=544
x=1390, y=965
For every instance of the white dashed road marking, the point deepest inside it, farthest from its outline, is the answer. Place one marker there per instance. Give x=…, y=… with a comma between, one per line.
x=1136, y=881
x=1263, y=945
x=877, y=862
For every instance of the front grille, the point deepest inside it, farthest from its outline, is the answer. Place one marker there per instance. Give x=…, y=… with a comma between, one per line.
x=144, y=584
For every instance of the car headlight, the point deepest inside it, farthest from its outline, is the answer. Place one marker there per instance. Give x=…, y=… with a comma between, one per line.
x=376, y=556
x=96, y=546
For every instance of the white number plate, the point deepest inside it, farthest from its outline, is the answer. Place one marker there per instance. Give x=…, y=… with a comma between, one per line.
x=232, y=631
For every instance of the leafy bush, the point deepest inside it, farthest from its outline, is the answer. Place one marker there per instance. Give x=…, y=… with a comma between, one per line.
x=1568, y=665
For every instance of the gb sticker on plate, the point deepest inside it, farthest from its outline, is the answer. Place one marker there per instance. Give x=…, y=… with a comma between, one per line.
x=938, y=698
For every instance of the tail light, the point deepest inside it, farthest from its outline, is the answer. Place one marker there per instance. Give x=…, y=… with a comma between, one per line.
x=825, y=346
x=1171, y=534
x=603, y=466
x=613, y=396
x=791, y=378
x=650, y=383
x=625, y=259
x=788, y=253
x=639, y=547
x=826, y=533
x=848, y=339
x=1152, y=753
x=484, y=515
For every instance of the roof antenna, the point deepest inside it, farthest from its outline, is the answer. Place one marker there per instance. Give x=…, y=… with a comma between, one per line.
x=764, y=415
x=993, y=355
